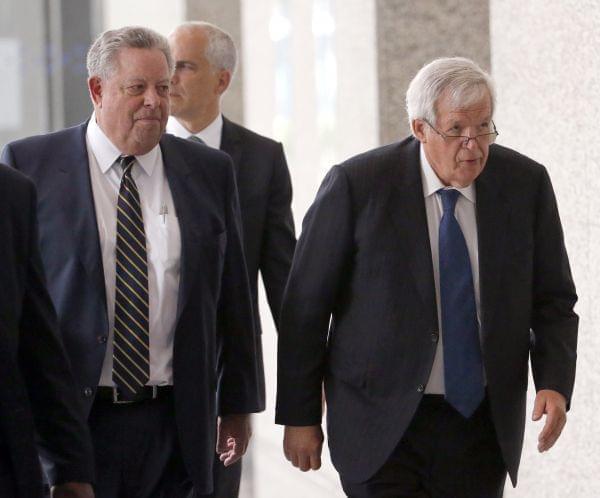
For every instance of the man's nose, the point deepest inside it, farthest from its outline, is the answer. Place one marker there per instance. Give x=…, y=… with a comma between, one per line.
x=469, y=141
x=151, y=98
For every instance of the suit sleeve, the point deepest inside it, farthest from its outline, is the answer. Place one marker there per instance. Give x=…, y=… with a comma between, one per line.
x=238, y=386
x=321, y=261
x=63, y=438
x=554, y=323
x=278, y=240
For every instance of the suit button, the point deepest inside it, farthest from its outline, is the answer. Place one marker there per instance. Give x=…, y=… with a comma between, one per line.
x=421, y=388
x=435, y=336
x=102, y=339
x=88, y=391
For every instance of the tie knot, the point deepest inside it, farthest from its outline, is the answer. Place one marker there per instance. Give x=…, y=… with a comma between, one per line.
x=194, y=138
x=126, y=163
x=449, y=197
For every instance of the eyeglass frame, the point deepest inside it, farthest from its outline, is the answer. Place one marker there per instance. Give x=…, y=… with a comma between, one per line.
x=467, y=139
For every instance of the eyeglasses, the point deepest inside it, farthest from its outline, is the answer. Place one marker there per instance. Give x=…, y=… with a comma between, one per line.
x=482, y=139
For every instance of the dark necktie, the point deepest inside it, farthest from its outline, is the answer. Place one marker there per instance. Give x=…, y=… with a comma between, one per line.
x=463, y=369
x=194, y=138
x=131, y=355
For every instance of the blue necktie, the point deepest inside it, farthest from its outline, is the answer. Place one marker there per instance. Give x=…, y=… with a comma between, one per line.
x=463, y=369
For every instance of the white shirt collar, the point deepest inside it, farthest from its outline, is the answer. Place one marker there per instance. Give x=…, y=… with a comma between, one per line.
x=432, y=183
x=211, y=135
x=106, y=153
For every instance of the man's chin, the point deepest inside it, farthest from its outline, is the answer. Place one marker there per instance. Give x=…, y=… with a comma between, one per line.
x=145, y=141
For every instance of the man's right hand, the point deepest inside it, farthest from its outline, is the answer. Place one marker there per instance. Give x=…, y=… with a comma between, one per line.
x=302, y=446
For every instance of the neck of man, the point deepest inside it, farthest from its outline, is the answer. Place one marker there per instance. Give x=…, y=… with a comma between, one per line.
x=197, y=123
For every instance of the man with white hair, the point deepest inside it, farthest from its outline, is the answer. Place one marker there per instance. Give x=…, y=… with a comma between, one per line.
x=427, y=273
x=205, y=62
x=141, y=241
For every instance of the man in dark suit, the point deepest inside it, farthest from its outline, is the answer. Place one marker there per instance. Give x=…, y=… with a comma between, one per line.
x=427, y=273
x=37, y=391
x=141, y=241
x=205, y=60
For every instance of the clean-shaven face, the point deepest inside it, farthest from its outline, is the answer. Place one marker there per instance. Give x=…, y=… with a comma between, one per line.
x=132, y=105
x=195, y=86
x=454, y=163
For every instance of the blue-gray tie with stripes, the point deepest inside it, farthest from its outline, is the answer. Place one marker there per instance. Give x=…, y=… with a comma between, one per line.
x=131, y=365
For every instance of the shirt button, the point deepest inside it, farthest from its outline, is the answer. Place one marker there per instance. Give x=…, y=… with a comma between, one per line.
x=435, y=336
x=102, y=339
x=421, y=388
x=88, y=391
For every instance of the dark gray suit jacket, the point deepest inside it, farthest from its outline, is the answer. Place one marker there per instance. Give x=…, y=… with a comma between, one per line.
x=37, y=390
x=265, y=193
x=364, y=261
x=214, y=345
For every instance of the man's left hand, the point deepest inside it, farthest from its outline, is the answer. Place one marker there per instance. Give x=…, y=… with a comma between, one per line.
x=72, y=490
x=233, y=435
x=554, y=405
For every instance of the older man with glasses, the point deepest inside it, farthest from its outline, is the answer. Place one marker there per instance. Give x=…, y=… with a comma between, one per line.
x=428, y=272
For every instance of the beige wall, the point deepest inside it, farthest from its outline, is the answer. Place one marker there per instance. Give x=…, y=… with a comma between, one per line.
x=546, y=65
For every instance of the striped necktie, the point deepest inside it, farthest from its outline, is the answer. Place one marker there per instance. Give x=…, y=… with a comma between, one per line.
x=131, y=355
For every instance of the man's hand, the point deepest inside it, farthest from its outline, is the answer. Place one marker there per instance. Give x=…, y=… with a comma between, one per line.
x=554, y=405
x=233, y=435
x=72, y=490
x=302, y=446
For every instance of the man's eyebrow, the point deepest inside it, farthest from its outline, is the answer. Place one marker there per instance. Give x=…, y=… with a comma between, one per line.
x=184, y=61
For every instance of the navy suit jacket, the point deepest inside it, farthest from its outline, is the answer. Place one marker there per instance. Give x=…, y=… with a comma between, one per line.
x=364, y=261
x=37, y=390
x=265, y=193
x=214, y=344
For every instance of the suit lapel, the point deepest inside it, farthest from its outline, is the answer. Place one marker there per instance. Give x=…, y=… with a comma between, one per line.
x=407, y=210
x=493, y=219
x=75, y=188
x=231, y=143
x=176, y=170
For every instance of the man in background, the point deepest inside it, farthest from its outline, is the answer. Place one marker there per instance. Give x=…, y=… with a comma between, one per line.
x=141, y=242
x=205, y=61
x=37, y=389
x=428, y=272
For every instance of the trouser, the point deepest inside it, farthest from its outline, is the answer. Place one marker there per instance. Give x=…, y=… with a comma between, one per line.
x=226, y=480
x=441, y=455
x=136, y=450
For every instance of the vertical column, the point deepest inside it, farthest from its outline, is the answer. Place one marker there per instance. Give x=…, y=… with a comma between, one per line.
x=227, y=15
x=69, y=37
x=409, y=34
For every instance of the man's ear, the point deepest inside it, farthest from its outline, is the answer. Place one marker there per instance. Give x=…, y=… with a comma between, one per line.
x=95, y=89
x=224, y=81
x=418, y=129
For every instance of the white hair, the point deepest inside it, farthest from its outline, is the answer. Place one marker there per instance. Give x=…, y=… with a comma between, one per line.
x=220, y=51
x=102, y=55
x=460, y=78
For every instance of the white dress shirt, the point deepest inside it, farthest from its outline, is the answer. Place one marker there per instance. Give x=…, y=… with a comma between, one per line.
x=163, y=245
x=211, y=135
x=465, y=215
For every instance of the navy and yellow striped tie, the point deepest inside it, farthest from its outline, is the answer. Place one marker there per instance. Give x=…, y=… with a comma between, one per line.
x=131, y=365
